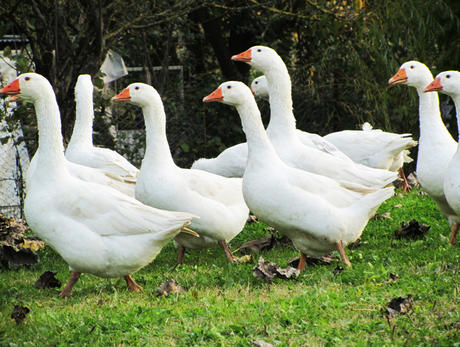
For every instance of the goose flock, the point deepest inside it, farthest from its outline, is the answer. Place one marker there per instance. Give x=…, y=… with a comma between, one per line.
x=108, y=218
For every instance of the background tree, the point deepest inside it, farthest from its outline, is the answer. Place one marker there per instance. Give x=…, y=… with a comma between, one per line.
x=340, y=54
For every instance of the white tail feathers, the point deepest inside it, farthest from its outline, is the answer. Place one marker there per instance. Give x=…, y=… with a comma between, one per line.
x=367, y=205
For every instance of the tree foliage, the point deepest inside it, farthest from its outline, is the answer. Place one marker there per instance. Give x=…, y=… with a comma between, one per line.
x=340, y=54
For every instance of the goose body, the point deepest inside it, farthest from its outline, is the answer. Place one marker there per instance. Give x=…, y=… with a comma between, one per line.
x=217, y=201
x=436, y=146
x=448, y=82
x=316, y=212
x=282, y=130
x=371, y=147
x=81, y=149
x=96, y=229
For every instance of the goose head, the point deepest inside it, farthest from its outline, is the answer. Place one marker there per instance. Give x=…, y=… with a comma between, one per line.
x=139, y=94
x=28, y=86
x=231, y=93
x=261, y=57
x=447, y=82
x=259, y=87
x=412, y=73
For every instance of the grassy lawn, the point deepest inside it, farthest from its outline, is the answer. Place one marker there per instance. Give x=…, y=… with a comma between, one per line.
x=225, y=305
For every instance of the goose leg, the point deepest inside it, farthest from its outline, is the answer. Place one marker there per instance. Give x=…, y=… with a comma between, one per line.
x=453, y=233
x=74, y=276
x=228, y=254
x=302, y=261
x=180, y=254
x=132, y=285
x=343, y=255
x=405, y=185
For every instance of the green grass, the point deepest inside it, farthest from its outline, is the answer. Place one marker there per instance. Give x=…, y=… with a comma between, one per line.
x=226, y=306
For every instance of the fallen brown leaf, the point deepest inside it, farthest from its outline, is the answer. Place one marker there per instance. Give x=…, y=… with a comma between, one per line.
x=355, y=244
x=261, y=343
x=393, y=277
x=325, y=260
x=383, y=215
x=412, y=229
x=244, y=259
x=338, y=269
x=19, y=313
x=263, y=244
x=48, y=280
x=412, y=179
x=398, y=306
x=252, y=219
x=170, y=286
x=15, y=249
x=269, y=270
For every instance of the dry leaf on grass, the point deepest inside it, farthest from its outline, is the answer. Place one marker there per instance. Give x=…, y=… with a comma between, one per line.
x=398, y=306
x=412, y=179
x=48, y=280
x=269, y=270
x=252, y=219
x=412, y=229
x=19, y=313
x=15, y=249
x=383, y=215
x=393, y=277
x=326, y=260
x=338, y=269
x=263, y=244
x=354, y=245
x=261, y=343
x=244, y=259
x=170, y=286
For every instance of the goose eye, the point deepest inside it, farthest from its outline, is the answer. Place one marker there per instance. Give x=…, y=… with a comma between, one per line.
x=257, y=82
x=137, y=88
x=27, y=78
x=447, y=76
x=229, y=87
x=259, y=50
x=412, y=66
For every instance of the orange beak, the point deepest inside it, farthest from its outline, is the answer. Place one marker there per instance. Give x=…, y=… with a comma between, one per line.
x=434, y=86
x=398, y=78
x=244, y=56
x=214, y=96
x=252, y=91
x=123, y=96
x=12, y=88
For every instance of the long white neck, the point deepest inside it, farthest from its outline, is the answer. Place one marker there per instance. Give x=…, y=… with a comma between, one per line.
x=82, y=135
x=157, y=150
x=432, y=128
x=51, y=158
x=260, y=149
x=279, y=88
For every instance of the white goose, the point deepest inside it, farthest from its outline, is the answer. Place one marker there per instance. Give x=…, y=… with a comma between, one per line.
x=259, y=87
x=436, y=146
x=371, y=147
x=448, y=82
x=217, y=201
x=96, y=229
x=283, y=133
x=314, y=211
x=80, y=149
